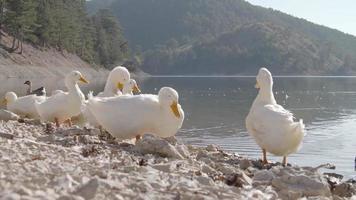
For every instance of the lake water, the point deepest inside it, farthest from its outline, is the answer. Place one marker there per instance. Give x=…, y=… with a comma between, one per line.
x=216, y=107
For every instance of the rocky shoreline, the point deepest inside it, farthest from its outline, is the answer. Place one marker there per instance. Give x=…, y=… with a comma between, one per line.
x=39, y=161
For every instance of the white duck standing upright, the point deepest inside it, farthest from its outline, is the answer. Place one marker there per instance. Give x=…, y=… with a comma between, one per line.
x=270, y=124
x=126, y=117
x=23, y=106
x=64, y=105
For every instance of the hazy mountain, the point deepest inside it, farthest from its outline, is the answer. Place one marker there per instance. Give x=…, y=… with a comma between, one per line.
x=228, y=37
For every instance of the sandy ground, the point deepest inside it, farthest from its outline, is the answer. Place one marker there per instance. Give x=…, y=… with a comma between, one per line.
x=39, y=161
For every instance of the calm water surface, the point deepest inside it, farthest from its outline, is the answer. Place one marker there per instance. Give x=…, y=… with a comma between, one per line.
x=216, y=108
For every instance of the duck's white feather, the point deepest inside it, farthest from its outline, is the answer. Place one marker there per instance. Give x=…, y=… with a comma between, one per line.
x=63, y=105
x=25, y=106
x=272, y=126
x=117, y=75
x=273, y=129
x=128, y=116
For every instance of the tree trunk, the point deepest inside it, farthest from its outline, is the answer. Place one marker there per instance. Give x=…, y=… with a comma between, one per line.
x=13, y=43
x=21, y=48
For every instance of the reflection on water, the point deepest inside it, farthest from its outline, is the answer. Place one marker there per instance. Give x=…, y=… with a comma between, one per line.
x=216, y=108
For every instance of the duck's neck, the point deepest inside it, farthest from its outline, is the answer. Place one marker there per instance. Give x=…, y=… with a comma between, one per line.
x=265, y=95
x=110, y=87
x=29, y=89
x=72, y=87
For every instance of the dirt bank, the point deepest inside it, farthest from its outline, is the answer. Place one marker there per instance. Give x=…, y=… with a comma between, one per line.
x=37, y=63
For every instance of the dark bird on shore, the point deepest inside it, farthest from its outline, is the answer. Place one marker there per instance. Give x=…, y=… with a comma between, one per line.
x=39, y=91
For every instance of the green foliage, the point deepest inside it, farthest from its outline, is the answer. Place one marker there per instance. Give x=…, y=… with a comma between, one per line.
x=110, y=43
x=210, y=36
x=65, y=25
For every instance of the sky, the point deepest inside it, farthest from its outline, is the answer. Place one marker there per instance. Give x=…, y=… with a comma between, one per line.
x=338, y=14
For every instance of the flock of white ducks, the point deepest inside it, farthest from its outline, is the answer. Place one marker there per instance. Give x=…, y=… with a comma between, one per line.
x=115, y=109
x=127, y=116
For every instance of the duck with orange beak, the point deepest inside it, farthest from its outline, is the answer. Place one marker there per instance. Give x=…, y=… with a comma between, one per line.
x=126, y=117
x=63, y=106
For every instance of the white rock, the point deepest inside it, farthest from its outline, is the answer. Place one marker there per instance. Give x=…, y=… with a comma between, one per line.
x=88, y=190
x=299, y=181
x=205, y=180
x=207, y=169
x=212, y=147
x=166, y=167
x=70, y=197
x=150, y=144
x=263, y=177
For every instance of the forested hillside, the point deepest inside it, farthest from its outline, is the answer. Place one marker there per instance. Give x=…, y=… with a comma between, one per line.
x=228, y=37
x=65, y=26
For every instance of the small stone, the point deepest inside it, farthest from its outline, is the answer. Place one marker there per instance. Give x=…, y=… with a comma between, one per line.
x=205, y=180
x=11, y=196
x=101, y=174
x=167, y=167
x=245, y=163
x=207, y=169
x=75, y=130
x=24, y=191
x=183, y=150
x=91, y=150
x=212, y=147
x=263, y=177
x=70, y=197
x=345, y=190
x=202, y=154
x=151, y=144
x=172, y=140
x=88, y=190
x=238, y=179
x=6, y=135
x=143, y=162
x=226, y=168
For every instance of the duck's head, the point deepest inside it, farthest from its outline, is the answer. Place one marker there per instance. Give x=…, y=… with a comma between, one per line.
x=264, y=78
x=133, y=86
x=27, y=83
x=75, y=77
x=168, y=97
x=119, y=76
x=10, y=97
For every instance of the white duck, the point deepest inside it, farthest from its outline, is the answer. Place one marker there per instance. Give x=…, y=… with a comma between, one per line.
x=23, y=106
x=64, y=105
x=115, y=82
x=130, y=88
x=126, y=117
x=270, y=124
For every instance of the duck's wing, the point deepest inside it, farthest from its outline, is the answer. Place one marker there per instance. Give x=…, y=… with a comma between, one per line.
x=39, y=91
x=270, y=118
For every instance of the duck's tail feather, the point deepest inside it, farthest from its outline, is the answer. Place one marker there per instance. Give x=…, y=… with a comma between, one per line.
x=301, y=127
x=299, y=133
x=90, y=95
